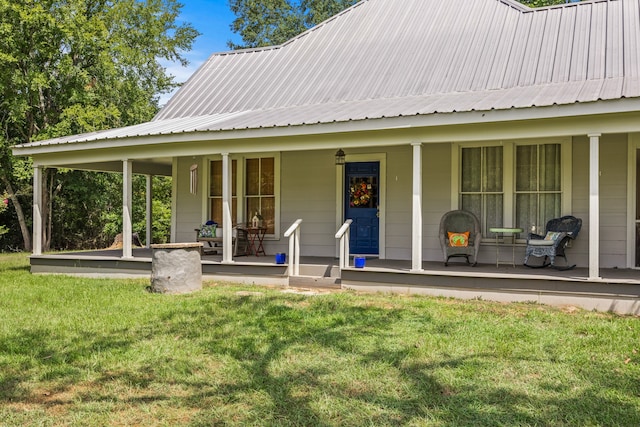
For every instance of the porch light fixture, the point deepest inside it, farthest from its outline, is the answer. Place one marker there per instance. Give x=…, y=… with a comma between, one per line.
x=340, y=157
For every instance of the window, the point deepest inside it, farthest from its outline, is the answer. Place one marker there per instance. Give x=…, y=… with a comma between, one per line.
x=260, y=194
x=481, y=189
x=215, y=191
x=538, y=189
x=525, y=193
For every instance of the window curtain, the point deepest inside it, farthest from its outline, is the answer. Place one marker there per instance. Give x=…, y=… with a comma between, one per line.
x=538, y=186
x=482, y=185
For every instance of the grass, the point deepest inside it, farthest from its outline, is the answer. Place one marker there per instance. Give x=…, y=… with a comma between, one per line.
x=91, y=352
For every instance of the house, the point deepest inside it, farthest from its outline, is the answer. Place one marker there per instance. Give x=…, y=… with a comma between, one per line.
x=517, y=114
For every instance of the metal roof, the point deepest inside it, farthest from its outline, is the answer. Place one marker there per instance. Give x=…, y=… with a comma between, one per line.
x=389, y=58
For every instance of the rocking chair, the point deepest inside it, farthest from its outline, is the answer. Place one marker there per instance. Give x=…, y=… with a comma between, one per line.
x=559, y=232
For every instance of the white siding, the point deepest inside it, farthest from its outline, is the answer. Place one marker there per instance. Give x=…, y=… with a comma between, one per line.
x=398, y=203
x=436, y=184
x=307, y=191
x=189, y=206
x=613, y=200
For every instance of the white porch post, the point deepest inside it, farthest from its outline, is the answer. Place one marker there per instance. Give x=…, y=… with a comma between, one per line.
x=227, y=228
x=149, y=227
x=416, y=217
x=127, y=189
x=594, y=206
x=37, y=210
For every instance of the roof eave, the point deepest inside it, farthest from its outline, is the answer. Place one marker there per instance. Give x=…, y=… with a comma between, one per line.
x=371, y=124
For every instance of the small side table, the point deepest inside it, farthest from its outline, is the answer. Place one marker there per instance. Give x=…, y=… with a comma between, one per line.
x=256, y=236
x=507, y=234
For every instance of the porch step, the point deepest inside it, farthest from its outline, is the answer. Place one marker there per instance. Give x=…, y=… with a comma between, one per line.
x=314, y=282
x=320, y=270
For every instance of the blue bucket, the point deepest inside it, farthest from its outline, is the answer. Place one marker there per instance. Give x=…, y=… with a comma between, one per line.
x=281, y=258
x=359, y=261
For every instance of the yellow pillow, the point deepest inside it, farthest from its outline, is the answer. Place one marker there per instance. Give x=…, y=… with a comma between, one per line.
x=458, y=239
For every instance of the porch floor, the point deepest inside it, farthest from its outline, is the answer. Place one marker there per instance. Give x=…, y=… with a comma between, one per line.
x=615, y=290
x=328, y=266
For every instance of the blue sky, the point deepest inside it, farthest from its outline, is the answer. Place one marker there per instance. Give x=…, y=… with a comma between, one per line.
x=212, y=18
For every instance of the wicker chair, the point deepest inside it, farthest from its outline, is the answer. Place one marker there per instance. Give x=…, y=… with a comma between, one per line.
x=460, y=221
x=241, y=242
x=559, y=232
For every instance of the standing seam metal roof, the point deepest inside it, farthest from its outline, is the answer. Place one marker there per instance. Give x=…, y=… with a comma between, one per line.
x=391, y=49
x=386, y=58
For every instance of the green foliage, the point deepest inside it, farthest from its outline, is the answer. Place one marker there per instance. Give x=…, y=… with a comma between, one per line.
x=3, y=208
x=541, y=3
x=85, y=218
x=111, y=216
x=96, y=352
x=272, y=22
x=75, y=66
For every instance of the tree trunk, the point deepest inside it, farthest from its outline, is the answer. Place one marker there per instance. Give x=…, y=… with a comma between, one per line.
x=46, y=209
x=26, y=235
x=47, y=206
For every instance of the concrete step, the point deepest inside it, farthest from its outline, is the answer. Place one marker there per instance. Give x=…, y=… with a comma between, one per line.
x=314, y=282
x=319, y=270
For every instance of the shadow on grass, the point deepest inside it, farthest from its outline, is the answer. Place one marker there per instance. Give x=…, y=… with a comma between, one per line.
x=23, y=268
x=49, y=358
x=318, y=361
x=344, y=330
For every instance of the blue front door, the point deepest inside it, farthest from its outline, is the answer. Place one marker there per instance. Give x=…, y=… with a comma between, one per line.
x=362, y=182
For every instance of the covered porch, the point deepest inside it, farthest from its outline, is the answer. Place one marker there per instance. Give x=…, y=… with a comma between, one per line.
x=616, y=290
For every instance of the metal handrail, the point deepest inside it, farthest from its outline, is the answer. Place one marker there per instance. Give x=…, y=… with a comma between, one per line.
x=343, y=235
x=293, y=233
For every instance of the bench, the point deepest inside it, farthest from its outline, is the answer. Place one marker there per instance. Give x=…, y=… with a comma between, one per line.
x=213, y=244
x=240, y=243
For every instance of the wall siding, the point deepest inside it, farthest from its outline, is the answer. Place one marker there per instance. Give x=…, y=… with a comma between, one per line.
x=436, y=196
x=308, y=186
x=307, y=192
x=188, y=214
x=613, y=200
x=398, y=203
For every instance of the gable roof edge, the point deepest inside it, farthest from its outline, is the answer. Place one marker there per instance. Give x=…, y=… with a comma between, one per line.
x=516, y=5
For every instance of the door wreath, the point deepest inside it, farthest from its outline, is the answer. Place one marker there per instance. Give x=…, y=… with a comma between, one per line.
x=359, y=194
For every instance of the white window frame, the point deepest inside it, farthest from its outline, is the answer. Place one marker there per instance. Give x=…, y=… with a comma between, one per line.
x=240, y=187
x=206, y=202
x=509, y=159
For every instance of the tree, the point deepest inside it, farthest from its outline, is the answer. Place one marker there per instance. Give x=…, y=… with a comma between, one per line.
x=272, y=22
x=75, y=66
x=4, y=201
x=541, y=3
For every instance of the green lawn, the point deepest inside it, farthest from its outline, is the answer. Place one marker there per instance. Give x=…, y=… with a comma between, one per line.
x=107, y=352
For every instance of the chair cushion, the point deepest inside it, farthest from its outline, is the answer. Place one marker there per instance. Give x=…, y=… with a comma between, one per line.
x=458, y=239
x=207, y=230
x=535, y=242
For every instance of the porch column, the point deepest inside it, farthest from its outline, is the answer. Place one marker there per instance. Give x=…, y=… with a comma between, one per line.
x=594, y=206
x=37, y=210
x=416, y=217
x=149, y=194
x=227, y=226
x=127, y=189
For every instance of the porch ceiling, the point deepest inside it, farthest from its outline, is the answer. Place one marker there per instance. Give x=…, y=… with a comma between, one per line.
x=158, y=166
